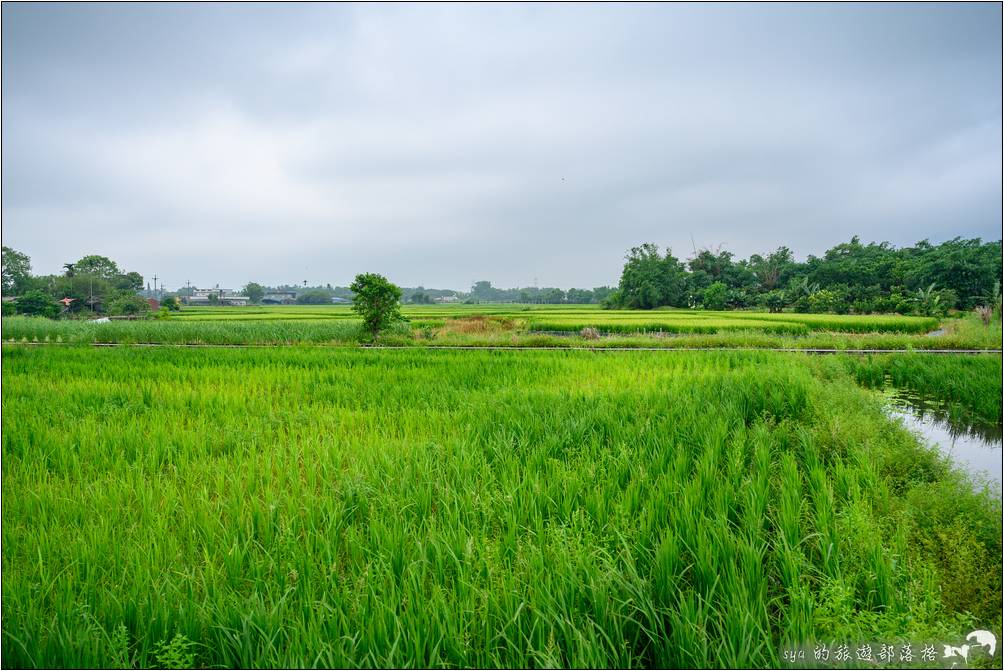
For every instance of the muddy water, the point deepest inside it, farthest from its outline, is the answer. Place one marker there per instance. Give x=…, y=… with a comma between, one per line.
x=975, y=447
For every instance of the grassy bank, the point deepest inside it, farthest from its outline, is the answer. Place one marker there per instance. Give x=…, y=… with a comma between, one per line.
x=300, y=507
x=970, y=386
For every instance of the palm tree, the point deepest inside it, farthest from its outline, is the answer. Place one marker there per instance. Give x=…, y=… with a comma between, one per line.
x=928, y=300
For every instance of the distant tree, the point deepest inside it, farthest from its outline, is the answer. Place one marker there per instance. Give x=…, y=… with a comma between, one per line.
x=421, y=298
x=89, y=292
x=37, y=303
x=824, y=300
x=600, y=293
x=254, y=292
x=100, y=266
x=553, y=295
x=774, y=300
x=213, y=299
x=716, y=296
x=650, y=280
x=613, y=300
x=376, y=301
x=171, y=303
x=131, y=281
x=16, y=272
x=128, y=304
x=483, y=291
x=314, y=297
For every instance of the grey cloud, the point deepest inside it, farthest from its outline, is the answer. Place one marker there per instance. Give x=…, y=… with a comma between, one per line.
x=441, y=144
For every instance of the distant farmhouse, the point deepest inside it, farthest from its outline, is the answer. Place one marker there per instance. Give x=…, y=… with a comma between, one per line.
x=223, y=296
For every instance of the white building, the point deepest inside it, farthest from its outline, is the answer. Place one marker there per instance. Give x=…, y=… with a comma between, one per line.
x=225, y=297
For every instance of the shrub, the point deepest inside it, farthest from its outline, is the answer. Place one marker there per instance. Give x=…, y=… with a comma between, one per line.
x=37, y=304
x=129, y=305
x=716, y=296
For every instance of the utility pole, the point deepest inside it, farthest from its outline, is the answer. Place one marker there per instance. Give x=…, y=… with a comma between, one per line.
x=154, y=284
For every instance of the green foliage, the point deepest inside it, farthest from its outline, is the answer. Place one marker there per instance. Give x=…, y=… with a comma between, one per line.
x=858, y=277
x=716, y=296
x=99, y=266
x=171, y=303
x=376, y=302
x=420, y=298
x=129, y=304
x=650, y=280
x=410, y=508
x=774, y=300
x=38, y=304
x=970, y=386
x=254, y=292
x=314, y=297
x=118, y=644
x=824, y=300
x=176, y=654
x=16, y=272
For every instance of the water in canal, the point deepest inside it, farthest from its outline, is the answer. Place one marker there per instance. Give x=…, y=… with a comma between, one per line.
x=974, y=447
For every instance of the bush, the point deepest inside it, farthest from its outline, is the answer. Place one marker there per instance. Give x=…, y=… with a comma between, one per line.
x=129, y=305
x=716, y=296
x=774, y=300
x=37, y=304
x=825, y=300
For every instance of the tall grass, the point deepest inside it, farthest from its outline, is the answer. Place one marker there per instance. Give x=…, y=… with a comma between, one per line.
x=254, y=332
x=344, y=507
x=971, y=386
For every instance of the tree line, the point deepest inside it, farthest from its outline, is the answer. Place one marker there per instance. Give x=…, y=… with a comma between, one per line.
x=849, y=278
x=92, y=285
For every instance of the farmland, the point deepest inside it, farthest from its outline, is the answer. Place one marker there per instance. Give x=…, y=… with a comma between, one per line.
x=298, y=506
x=507, y=325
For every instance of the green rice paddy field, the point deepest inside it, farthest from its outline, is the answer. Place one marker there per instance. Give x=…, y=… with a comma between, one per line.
x=507, y=325
x=345, y=507
x=576, y=317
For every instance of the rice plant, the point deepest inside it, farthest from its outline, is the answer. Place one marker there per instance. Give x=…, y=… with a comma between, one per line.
x=304, y=507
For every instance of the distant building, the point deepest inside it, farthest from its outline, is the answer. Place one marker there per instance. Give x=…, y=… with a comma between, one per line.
x=339, y=300
x=446, y=299
x=223, y=296
x=154, y=304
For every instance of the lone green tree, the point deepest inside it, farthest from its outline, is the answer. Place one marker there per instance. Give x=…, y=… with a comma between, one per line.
x=376, y=301
x=254, y=291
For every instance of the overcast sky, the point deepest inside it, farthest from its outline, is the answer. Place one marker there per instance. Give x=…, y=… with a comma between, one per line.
x=442, y=144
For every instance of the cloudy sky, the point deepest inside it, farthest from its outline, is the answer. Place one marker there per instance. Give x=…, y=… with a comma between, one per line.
x=442, y=144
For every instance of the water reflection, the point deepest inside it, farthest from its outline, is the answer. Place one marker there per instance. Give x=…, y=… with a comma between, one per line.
x=975, y=446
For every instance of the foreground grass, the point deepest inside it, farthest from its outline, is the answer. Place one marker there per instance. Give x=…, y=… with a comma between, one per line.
x=297, y=507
